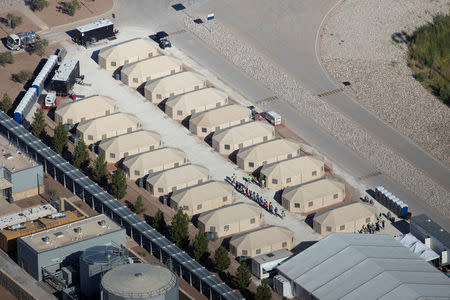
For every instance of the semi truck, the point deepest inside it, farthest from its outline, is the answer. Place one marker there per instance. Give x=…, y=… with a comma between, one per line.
x=21, y=40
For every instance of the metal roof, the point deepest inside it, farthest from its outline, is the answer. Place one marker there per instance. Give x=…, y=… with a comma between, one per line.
x=65, y=69
x=94, y=25
x=433, y=229
x=346, y=266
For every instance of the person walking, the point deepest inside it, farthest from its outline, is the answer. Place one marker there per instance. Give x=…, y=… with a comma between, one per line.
x=283, y=214
x=276, y=211
x=250, y=178
x=263, y=182
x=233, y=177
x=382, y=223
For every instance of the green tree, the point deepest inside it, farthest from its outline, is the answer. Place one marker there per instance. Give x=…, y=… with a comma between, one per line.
x=243, y=277
x=221, y=259
x=179, y=229
x=139, y=205
x=59, y=141
x=118, y=187
x=200, y=245
x=15, y=20
x=99, y=171
x=38, y=125
x=6, y=58
x=39, y=47
x=81, y=157
x=71, y=7
x=22, y=76
x=6, y=104
x=263, y=292
x=158, y=221
x=38, y=4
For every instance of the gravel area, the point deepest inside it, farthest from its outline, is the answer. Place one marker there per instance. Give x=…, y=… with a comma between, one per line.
x=359, y=41
x=344, y=130
x=8, y=4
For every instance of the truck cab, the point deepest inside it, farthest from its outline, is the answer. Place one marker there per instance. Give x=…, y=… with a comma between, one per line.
x=13, y=42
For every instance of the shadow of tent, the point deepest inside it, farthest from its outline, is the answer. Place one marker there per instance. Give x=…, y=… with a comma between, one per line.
x=302, y=246
x=401, y=226
x=178, y=6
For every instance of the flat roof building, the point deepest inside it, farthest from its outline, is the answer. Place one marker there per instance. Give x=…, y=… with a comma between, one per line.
x=263, y=265
x=150, y=162
x=98, y=129
x=171, y=180
x=231, y=219
x=202, y=197
x=184, y=105
x=228, y=140
x=159, y=89
x=351, y=266
x=251, y=158
x=112, y=57
x=52, y=248
x=204, y=123
x=261, y=241
x=85, y=109
x=311, y=196
x=349, y=217
x=116, y=148
x=137, y=73
x=289, y=172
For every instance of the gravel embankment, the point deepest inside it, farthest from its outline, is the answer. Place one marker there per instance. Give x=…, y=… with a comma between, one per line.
x=357, y=42
x=343, y=129
x=6, y=4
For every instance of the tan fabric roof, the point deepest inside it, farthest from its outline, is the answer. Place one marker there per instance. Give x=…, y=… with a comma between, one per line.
x=230, y=214
x=108, y=123
x=152, y=65
x=175, y=82
x=243, y=132
x=150, y=159
x=77, y=109
x=193, y=99
x=313, y=190
x=269, y=149
x=288, y=167
x=200, y=193
x=136, y=47
x=220, y=115
x=345, y=213
x=133, y=140
x=172, y=177
x=262, y=237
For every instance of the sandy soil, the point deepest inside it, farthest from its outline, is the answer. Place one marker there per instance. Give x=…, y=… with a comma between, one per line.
x=53, y=16
x=22, y=61
x=27, y=24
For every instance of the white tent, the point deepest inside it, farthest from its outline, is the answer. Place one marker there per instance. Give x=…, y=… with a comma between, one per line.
x=417, y=247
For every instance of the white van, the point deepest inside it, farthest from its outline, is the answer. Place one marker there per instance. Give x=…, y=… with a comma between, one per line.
x=273, y=117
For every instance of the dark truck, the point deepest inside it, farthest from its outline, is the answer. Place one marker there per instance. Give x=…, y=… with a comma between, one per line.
x=93, y=32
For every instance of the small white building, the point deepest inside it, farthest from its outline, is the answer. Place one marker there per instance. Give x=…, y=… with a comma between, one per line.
x=262, y=265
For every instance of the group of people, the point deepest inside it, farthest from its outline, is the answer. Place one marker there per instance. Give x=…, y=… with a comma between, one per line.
x=371, y=228
x=244, y=189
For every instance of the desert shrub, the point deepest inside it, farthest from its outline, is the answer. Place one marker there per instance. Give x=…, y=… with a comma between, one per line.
x=38, y=4
x=6, y=58
x=22, y=76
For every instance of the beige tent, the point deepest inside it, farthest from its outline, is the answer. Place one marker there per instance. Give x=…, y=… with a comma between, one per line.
x=204, y=123
x=184, y=105
x=292, y=171
x=173, y=85
x=228, y=140
x=346, y=218
x=85, y=109
x=251, y=158
x=262, y=241
x=112, y=57
x=150, y=162
x=171, y=180
x=116, y=148
x=151, y=68
x=231, y=219
x=98, y=129
x=203, y=197
x=308, y=197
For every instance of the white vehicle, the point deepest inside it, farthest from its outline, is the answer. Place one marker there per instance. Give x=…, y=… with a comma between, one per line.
x=21, y=40
x=50, y=99
x=273, y=117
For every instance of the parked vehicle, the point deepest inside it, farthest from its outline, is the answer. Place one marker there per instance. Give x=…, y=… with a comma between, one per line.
x=93, y=32
x=164, y=43
x=17, y=41
x=273, y=117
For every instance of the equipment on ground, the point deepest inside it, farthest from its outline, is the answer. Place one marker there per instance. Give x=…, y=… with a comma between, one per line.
x=66, y=76
x=17, y=41
x=93, y=32
x=273, y=117
x=164, y=43
x=50, y=99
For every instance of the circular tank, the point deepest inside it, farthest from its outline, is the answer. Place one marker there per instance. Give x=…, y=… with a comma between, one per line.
x=94, y=262
x=139, y=281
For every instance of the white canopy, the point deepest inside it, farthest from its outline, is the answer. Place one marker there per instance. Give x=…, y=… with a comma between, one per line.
x=417, y=247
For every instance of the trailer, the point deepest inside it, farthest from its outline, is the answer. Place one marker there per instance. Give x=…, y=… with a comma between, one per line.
x=93, y=32
x=28, y=100
x=65, y=76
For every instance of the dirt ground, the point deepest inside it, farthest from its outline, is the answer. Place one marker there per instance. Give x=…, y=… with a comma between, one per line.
x=6, y=295
x=22, y=61
x=27, y=24
x=53, y=16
